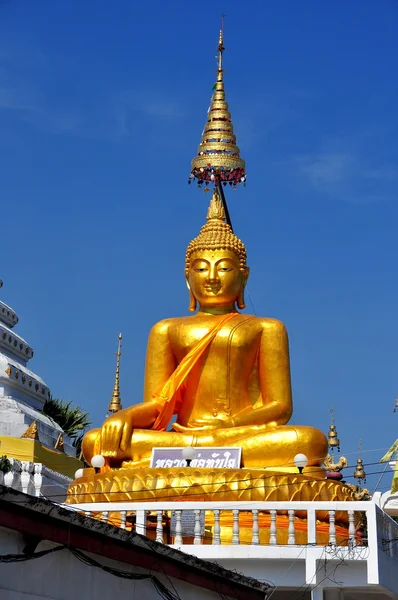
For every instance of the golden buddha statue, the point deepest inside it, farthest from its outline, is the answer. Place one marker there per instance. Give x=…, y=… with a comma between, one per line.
x=217, y=378
x=224, y=375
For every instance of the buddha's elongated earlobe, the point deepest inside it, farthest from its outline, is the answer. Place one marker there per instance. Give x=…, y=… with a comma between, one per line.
x=192, y=299
x=241, y=299
x=192, y=302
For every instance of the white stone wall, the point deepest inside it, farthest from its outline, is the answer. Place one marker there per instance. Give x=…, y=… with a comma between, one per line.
x=60, y=576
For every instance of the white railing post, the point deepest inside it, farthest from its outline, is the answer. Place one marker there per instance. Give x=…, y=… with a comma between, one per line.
x=235, y=527
x=311, y=526
x=37, y=478
x=255, y=531
x=105, y=514
x=332, y=527
x=272, y=530
x=159, y=526
x=217, y=530
x=351, y=528
x=291, y=540
x=25, y=476
x=178, y=531
x=123, y=517
x=197, y=537
x=373, y=543
x=9, y=477
x=140, y=522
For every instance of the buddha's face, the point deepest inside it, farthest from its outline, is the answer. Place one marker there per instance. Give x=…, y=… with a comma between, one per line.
x=215, y=278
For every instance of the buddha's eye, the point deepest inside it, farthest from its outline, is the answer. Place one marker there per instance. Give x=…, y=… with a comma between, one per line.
x=224, y=269
x=200, y=269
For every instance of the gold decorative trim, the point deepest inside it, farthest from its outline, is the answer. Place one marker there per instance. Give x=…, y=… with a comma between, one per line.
x=148, y=485
x=32, y=432
x=216, y=160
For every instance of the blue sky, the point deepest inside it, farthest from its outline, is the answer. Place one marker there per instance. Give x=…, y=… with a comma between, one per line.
x=101, y=111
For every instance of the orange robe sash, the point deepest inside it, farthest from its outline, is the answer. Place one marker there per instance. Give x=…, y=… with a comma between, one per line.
x=170, y=392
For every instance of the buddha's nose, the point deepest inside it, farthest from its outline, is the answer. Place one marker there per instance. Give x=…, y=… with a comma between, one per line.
x=213, y=278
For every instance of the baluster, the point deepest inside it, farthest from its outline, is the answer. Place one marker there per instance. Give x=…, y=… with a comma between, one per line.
x=272, y=530
x=9, y=478
x=217, y=530
x=140, y=522
x=255, y=536
x=87, y=513
x=105, y=515
x=178, y=531
x=123, y=517
x=159, y=526
x=332, y=527
x=351, y=528
x=197, y=538
x=25, y=476
x=291, y=540
x=37, y=478
x=235, y=528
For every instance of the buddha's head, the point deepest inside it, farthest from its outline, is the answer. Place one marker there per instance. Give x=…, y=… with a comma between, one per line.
x=215, y=263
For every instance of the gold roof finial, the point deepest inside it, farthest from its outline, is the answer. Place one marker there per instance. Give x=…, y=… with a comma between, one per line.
x=115, y=403
x=218, y=156
x=333, y=440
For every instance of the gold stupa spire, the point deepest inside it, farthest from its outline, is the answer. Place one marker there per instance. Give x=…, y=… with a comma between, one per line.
x=115, y=403
x=218, y=156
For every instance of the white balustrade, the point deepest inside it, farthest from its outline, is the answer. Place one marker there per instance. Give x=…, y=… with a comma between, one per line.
x=243, y=524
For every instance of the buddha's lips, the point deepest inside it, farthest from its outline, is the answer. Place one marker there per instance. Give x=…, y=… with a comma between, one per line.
x=212, y=288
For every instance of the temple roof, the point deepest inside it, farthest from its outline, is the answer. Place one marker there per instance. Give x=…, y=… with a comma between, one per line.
x=21, y=377
x=8, y=315
x=14, y=344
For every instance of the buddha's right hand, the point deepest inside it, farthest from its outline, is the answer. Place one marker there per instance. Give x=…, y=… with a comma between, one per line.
x=116, y=433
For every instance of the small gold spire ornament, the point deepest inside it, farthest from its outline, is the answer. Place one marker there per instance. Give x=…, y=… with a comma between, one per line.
x=360, y=474
x=59, y=444
x=115, y=403
x=333, y=440
x=218, y=156
x=32, y=432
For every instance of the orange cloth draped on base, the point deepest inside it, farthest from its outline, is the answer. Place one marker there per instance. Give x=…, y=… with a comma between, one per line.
x=170, y=392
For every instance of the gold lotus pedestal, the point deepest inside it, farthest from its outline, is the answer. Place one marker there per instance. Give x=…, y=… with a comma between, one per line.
x=222, y=485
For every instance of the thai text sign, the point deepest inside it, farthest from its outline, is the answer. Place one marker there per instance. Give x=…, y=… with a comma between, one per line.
x=206, y=458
